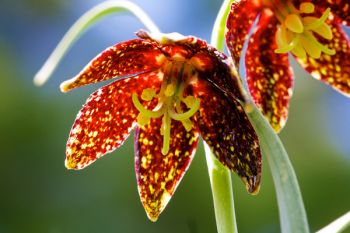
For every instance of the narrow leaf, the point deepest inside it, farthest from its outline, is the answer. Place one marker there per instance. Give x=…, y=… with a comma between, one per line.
x=290, y=203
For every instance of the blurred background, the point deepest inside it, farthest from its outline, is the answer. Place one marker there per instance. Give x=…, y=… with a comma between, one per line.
x=37, y=193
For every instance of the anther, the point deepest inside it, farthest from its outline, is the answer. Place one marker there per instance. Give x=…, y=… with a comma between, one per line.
x=148, y=94
x=307, y=7
x=293, y=22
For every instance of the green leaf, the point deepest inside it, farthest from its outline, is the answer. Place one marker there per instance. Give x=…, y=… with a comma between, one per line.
x=218, y=33
x=290, y=203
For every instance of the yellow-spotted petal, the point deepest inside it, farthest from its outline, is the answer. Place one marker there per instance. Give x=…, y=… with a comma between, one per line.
x=158, y=175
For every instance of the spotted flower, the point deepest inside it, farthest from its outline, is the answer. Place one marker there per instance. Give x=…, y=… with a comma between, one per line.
x=171, y=89
x=310, y=30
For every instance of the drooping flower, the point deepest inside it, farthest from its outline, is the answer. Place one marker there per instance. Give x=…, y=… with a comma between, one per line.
x=172, y=89
x=309, y=29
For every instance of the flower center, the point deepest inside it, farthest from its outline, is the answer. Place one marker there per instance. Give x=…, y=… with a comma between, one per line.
x=171, y=102
x=296, y=32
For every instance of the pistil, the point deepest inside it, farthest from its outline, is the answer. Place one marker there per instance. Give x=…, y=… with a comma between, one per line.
x=170, y=101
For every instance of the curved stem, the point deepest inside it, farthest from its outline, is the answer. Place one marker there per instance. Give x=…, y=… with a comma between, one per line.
x=84, y=22
x=290, y=203
x=218, y=33
x=220, y=177
x=337, y=225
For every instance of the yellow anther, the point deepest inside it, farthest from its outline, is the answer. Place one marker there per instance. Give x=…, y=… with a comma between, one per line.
x=148, y=94
x=299, y=51
x=187, y=124
x=325, y=31
x=169, y=90
x=189, y=101
x=144, y=111
x=294, y=23
x=307, y=7
x=313, y=22
x=284, y=46
x=313, y=50
x=142, y=120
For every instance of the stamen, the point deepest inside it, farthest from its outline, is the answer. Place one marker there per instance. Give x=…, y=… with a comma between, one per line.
x=310, y=23
x=296, y=33
x=299, y=51
x=311, y=48
x=322, y=47
x=185, y=115
x=170, y=90
x=170, y=101
x=293, y=22
x=307, y=7
x=325, y=31
x=142, y=119
x=283, y=45
x=187, y=124
x=148, y=94
x=189, y=101
x=143, y=110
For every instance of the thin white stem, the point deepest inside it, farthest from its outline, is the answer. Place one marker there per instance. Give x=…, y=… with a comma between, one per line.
x=84, y=22
x=337, y=225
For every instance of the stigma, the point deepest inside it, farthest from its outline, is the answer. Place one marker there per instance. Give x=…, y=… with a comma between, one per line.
x=172, y=101
x=296, y=32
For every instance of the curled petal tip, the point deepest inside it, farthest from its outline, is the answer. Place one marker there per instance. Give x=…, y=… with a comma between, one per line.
x=38, y=80
x=64, y=87
x=252, y=184
x=152, y=215
x=70, y=164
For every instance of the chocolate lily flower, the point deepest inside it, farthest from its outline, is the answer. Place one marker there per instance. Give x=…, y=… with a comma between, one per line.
x=310, y=30
x=172, y=89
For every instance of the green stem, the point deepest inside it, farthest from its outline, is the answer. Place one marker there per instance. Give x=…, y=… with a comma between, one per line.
x=338, y=225
x=220, y=177
x=291, y=207
x=84, y=22
x=218, y=35
x=221, y=185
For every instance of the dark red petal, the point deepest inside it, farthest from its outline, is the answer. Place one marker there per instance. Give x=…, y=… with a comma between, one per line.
x=128, y=58
x=224, y=125
x=222, y=74
x=240, y=20
x=332, y=70
x=175, y=45
x=158, y=175
x=269, y=76
x=106, y=119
